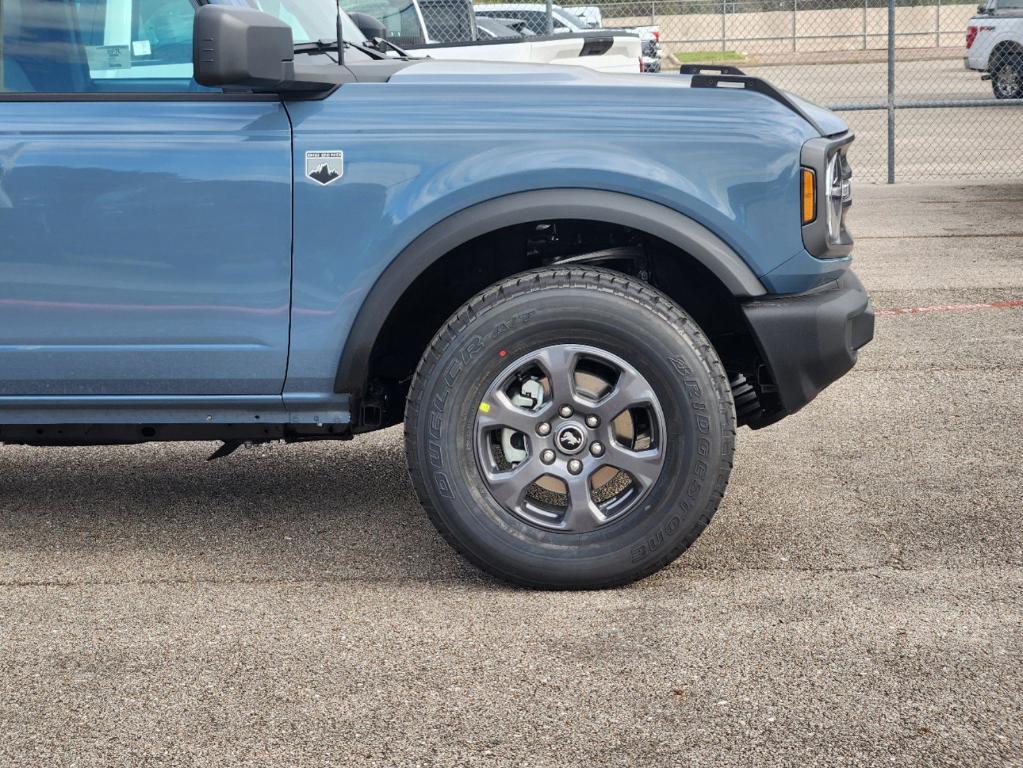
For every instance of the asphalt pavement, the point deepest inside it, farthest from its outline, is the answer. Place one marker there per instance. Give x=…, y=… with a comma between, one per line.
x=857, y=600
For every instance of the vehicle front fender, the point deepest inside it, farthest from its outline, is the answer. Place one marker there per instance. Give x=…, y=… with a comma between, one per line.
x=579, y=204
x=423, y=150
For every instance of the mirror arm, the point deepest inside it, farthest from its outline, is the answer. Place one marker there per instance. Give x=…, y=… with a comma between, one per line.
x=312, y=79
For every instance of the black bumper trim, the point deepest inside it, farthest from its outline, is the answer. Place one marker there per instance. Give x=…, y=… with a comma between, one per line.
x=810, y=340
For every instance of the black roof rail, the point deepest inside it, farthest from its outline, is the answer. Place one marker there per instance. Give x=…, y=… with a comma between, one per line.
x=745, y=82
x=699, y=69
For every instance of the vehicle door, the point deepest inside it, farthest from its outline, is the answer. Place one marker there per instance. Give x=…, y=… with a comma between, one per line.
x=145, y=221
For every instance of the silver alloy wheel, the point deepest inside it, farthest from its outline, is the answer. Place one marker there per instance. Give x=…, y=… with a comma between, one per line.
x=598, y=473
x=1009, y=81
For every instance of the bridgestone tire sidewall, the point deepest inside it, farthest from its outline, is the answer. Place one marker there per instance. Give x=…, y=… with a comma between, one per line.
x=657, y=339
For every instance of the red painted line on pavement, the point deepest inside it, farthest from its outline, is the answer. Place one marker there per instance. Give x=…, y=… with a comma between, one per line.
x=1013, y=304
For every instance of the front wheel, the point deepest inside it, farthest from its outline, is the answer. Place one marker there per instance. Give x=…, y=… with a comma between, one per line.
x=570, y=428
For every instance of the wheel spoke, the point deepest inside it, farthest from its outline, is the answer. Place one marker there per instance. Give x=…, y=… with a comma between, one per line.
x=644, y=466
x=630, y=390
x=559, y=363
x=509, y=487
x=500, y=412
x=582, y=514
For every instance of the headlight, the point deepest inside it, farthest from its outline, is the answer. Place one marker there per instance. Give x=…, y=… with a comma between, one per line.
x=825, y=194
x=839, y=187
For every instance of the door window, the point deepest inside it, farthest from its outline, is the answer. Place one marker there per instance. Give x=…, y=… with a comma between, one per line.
x=310, y=20
x=76, y=46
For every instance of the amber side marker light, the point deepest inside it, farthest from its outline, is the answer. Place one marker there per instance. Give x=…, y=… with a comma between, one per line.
x=809, y=195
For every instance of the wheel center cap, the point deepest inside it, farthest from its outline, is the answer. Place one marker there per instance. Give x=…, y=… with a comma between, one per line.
x=570, y=439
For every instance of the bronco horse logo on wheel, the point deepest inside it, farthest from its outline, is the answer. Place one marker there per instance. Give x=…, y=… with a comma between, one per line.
x=570, y=440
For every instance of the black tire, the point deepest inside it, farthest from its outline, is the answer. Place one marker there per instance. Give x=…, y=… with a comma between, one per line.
x=628, y=319
x=1007, y=76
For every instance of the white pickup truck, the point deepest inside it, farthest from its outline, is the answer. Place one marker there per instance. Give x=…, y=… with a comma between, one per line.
x=994, y=46
x=446, y=29
x=571, y=21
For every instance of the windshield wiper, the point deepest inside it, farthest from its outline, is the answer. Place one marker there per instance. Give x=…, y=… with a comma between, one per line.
x=326, y=46
x=381, y=43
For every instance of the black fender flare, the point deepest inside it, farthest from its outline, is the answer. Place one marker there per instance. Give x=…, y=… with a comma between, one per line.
x=520, y=208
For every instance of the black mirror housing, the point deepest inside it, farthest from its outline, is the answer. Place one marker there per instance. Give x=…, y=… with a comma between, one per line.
x=244, y=48
x=370, y=26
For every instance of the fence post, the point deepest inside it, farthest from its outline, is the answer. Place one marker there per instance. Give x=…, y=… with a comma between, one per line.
x=937, y=25
x=795, y=6
x=550, y=17
x=724, y=10
x=865, y=24
x=653, y=14
x=891, y=91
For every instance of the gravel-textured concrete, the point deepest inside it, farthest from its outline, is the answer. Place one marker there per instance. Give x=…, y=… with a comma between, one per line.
x=858, y=599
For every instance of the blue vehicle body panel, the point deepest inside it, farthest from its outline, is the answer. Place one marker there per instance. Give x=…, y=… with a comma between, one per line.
x=145, y=248
x=829, y=123
x=170, y=262
x=728, y=160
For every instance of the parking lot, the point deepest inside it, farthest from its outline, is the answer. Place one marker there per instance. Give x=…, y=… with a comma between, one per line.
x=843, y=82
x=929, y=143
x=858, y=599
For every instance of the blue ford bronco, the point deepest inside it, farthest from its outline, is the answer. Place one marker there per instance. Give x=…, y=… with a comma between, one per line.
x=218, y=223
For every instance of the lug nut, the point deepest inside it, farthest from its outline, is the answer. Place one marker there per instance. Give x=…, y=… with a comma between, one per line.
x=566, y=411
x=575, y=466
x=543, y=429
x=548, y=456
x=592, y=421
x=597, y=449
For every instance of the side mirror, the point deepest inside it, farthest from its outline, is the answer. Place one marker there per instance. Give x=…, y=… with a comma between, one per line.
x=370, y=26
x=244, y=48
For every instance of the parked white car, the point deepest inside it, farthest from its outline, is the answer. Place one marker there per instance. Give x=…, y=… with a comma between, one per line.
x=994, y=46
x=446, y=29
x=569, y=51
x=577, y=20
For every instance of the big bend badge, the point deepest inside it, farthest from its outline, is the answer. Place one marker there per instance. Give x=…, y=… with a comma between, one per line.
x=325, y=167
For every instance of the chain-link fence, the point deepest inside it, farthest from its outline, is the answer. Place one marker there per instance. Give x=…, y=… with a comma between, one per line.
x=898, y=70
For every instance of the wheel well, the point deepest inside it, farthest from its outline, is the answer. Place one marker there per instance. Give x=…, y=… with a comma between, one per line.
x=1006, y=49
x=466, y=270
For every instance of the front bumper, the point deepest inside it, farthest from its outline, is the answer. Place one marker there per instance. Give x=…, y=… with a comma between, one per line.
x=809, y=340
